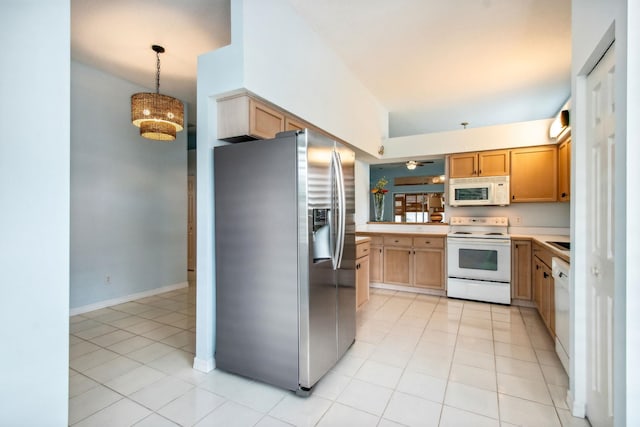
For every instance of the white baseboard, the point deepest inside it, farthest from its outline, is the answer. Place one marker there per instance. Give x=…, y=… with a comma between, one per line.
x=126, y=298
x=204, y=365
x=578, y=408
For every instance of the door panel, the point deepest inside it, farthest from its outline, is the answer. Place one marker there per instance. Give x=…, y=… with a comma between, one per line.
x=600, y=217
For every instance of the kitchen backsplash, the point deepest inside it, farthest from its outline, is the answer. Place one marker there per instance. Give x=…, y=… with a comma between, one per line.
x=554, y=215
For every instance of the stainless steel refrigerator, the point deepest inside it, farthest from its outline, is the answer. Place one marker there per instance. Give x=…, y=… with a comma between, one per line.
x=285, y=257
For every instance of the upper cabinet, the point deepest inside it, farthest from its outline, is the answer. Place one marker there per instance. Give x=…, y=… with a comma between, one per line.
x=484, y=163
x=534, y=174
x=564, y=170
x=243, y=118
x=293, y=124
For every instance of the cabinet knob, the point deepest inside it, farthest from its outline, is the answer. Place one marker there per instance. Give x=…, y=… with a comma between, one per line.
x=365, y=250
x=564, y=195
x=513, y=197
x=428, y=242
x=480, y=172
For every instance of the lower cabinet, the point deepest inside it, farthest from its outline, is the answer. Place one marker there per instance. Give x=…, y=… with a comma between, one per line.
x=376, y=259
x=362, y=273
x=414, y=261
x=543, y=287
x=521, y=270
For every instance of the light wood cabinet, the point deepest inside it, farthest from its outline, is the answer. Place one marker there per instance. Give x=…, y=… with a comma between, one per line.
x=521, y=270
x=244, y=117
x=564, y=171
x=397, y=265
x=362, y=272
x=534, y=174
x=414, y=261
x=544, y=287
x=264, y=122
x=376, y=259
x=484, y=163
x=294, y=124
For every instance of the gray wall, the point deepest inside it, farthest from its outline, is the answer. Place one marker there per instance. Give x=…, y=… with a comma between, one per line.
x=128, y=195
x=34, y=219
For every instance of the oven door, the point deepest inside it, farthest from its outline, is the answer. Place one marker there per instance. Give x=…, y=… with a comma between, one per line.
x=471, y=194
x=479, y=259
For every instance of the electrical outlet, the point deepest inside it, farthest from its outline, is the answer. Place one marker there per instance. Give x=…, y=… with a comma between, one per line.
x=107, y=279
x=518, y=220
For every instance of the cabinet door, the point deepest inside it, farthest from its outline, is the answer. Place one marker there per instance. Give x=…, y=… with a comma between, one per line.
x=564, y=171
x=429, y=268
x=264, y=122
x=493, y=163
x=548, y=299
x=397, y=265
x=362, y=280
x=534, y=174
x=463, y=165
x=521, y=269
x=376, y=257
x=537, y=284
x=293, y=124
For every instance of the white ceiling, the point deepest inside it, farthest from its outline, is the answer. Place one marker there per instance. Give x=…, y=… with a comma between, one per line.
x=432, y=63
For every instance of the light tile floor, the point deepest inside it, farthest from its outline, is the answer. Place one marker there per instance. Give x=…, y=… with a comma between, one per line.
x=418, y=360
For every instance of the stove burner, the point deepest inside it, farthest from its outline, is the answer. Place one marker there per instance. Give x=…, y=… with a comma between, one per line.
x=462, y=232
x=494, y=234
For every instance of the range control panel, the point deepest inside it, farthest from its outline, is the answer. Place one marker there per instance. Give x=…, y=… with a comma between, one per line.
x=497, y=221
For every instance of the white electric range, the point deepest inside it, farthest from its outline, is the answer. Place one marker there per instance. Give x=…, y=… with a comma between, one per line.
x=479, y=259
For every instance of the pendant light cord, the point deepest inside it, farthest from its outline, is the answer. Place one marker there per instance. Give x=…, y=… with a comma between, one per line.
x=158, y=72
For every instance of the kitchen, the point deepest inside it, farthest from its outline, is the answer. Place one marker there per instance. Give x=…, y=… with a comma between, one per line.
x=493, y=246
x=366, y=137
x=590, y=22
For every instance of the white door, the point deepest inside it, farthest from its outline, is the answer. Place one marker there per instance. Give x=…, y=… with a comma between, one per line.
x=600, y=240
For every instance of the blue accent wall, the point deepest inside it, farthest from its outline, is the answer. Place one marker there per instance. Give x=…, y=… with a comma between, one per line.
x=400, y=170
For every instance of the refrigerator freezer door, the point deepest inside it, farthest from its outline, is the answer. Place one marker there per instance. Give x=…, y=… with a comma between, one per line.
x=257, y=261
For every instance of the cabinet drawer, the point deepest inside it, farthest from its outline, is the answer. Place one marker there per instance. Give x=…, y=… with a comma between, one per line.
x=428, y=242
x=377, y=240
x=543, y=254
x=362, y=249
x=397, y=241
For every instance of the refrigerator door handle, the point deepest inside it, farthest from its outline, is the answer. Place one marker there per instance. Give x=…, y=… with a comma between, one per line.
x=339, y=177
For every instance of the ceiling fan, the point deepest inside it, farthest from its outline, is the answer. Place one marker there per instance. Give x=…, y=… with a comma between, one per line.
x=412, y=164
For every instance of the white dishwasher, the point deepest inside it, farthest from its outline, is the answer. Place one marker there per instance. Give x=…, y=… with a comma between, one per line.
x=560, y=271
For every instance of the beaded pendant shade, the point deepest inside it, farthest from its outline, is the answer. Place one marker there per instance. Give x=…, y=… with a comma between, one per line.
x=158, y=116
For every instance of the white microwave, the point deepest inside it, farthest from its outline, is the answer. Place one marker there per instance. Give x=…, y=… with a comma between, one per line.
x=481, y=191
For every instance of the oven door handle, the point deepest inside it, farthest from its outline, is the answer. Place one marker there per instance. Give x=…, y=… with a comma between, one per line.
x=474, y=240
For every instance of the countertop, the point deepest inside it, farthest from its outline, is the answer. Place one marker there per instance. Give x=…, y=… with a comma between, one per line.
x=542, y=237
x=542, y=240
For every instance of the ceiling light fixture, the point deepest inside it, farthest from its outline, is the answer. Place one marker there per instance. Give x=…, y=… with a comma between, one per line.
x=411, y=164
x=560, y=123
x=158, y=116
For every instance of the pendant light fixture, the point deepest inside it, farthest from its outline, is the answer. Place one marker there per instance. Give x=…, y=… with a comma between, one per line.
x=158, y=116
